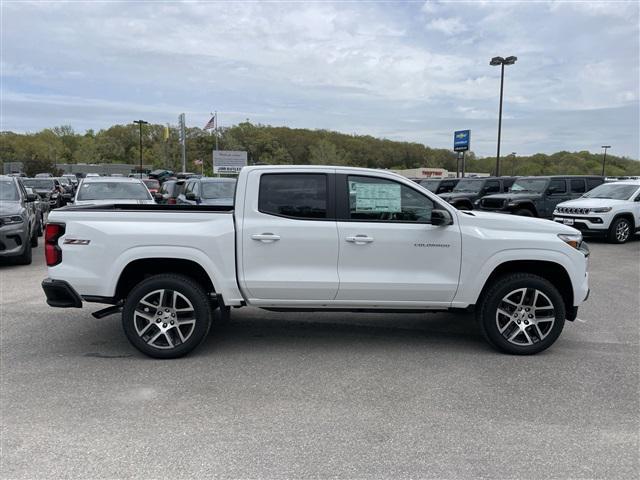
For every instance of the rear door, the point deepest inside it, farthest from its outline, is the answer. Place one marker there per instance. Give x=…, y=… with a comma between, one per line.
x=289, y=237
x=557, y=192
x=390, y=254
x=578, y=187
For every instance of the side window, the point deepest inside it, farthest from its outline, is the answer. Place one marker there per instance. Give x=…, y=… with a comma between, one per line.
x=557, y=185
x=593, y=183
x=188, y=187
x=577, y=185
x=446, y=187
x=492, y=186
x=296, y=195
x=195, y=188
x=381, y=200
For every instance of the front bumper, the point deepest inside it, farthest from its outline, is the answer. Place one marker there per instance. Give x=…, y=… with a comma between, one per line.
x=60, y=294
x=589, y=226
x=12, y=239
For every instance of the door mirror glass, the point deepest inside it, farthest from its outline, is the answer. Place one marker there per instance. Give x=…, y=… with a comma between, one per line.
x=441, y=217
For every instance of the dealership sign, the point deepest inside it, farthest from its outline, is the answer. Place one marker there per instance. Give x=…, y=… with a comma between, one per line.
x=462, y=140
x=228, y=161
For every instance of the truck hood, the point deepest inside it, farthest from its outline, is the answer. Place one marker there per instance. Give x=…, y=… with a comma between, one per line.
x=123, y=201
x=500, y=221
x=512, y=196
x=592, y=203
x=453, y=195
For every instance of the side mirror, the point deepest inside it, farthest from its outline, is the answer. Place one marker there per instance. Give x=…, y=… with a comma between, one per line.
x=191, y=196
x=441, y=217
x=32, y=197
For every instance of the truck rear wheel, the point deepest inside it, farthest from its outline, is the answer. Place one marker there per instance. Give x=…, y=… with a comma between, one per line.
x=522, y=314
x=166, y=316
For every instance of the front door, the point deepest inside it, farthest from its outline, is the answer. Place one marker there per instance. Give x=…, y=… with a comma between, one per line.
x=390, y=254
x=556, y=193
x=289, y=238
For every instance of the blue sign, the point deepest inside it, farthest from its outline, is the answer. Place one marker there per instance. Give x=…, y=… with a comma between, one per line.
x=462, y=140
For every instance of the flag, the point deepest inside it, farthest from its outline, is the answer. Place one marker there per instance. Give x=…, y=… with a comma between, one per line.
x=211, y=123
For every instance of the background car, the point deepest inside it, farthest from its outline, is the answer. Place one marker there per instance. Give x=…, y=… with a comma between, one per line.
x=68, y=188
x=538, y=196
x=208, y=191
x=611, y=210
x=439, y=185
x=41, y=208
x=18, y=221
x=110, y=190
x=152, y=184
x=468, y=190
x=48, y=188
x=169, y=192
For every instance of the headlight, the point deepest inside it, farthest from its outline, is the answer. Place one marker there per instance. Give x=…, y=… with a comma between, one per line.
x=11, y=220
x=573, y=239
x=601, y=210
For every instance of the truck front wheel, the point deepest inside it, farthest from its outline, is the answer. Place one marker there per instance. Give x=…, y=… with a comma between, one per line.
x=166, y=316
x=522, y=314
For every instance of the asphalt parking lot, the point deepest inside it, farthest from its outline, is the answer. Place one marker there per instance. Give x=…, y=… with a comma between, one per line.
x=322, y=395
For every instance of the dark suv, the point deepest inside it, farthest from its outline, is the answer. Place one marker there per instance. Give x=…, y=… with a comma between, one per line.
x=538, y=196
x=439, y=185
x=18, y=220
x=469, y=190
x=48, y=188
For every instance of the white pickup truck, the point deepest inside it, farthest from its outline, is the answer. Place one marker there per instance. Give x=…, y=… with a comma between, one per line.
x=315, y=238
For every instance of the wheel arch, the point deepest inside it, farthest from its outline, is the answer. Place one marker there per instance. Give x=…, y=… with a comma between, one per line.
x=529, y=205
x=625, y=215
x=549, y=270
x=139, y=269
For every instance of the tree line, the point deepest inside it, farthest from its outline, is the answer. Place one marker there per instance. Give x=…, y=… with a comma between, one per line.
x=43, y=150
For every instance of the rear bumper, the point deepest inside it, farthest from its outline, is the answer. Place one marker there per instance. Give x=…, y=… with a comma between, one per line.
x=60, y=294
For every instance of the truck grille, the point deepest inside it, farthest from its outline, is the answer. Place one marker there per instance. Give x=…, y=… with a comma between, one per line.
x=494, y=203
x=572, y=210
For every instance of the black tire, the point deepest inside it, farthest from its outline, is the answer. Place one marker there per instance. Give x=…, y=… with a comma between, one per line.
x=620, y=230
x=25, y=257
x=524, y=212
x=487, y=315
x=34, y=238
x=186, y=287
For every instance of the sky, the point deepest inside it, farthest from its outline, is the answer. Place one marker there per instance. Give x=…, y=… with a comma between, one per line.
x=412, y=71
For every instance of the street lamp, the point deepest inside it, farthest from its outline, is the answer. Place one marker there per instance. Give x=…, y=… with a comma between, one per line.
x=502, y=62
x=141, y=122
x=604, y=157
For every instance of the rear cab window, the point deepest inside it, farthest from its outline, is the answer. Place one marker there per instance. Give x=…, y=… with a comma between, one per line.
x=300, y=196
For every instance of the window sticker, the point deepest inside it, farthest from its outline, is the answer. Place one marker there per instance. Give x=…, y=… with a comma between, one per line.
x=377, y=197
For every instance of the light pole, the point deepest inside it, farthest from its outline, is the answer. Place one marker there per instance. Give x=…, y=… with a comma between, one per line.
x=502, y=62
x=604, y=157
x=141, y=122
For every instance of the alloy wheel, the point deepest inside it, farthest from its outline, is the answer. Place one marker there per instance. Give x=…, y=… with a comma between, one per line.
x=622, y=231
x=164, y=319
x=525, y=316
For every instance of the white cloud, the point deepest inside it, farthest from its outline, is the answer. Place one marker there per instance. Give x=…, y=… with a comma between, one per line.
x=448, y=26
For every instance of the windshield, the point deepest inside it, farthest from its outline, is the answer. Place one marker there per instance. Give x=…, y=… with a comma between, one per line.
x=218, y=189
x=64, y=181
x=529, y=185
x=38, y=184
x=8, y=191
x=431, y=185
x=472, y=186
x=151, y=183
x=113, y=191
x=613, y=191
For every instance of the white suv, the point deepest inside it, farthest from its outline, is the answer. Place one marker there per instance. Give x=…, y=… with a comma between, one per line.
x=611, y=210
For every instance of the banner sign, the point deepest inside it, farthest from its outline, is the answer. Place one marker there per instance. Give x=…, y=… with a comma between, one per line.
x=228, y=161
x=462, y=140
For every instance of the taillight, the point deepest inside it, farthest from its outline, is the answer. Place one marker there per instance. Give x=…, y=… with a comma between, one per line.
x=171, y=201
x=52, y=252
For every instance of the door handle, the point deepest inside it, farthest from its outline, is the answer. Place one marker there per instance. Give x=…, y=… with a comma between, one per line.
x=265, y=237
x=360, y=239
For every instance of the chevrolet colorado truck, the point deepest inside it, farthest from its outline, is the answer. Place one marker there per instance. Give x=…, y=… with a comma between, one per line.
x=315, y=238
